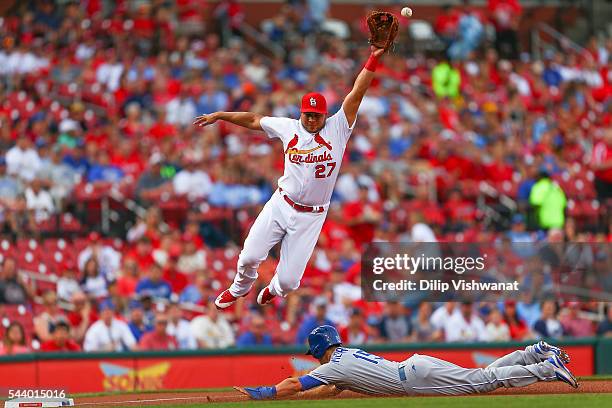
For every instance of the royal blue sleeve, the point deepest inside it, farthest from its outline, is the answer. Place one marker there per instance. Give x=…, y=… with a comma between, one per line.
x=309, y=382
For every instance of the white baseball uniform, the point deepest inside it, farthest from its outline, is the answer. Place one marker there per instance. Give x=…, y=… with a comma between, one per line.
x=312, y=164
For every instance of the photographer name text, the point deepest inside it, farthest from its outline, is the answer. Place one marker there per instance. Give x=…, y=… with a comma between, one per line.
x=441, y=286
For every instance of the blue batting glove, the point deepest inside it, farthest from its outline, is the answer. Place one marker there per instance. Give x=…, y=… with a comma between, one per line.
x=260, y=393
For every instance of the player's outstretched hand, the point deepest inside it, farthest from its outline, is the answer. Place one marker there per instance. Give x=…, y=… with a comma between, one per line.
x=241, y=390
x=205, y=120
x=257, y=393
x=377, y=52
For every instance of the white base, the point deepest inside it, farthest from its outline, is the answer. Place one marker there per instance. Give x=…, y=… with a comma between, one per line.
x=39, y=402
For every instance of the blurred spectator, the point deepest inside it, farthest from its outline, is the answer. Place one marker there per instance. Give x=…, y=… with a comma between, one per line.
x=69, y=130
x=50, y=315
x=446, y=23
x=113, y=295
x=517, y=327
x=161, y=254
x=10, y=187
x=177, y=280
x=14, y=341
x=212, y=330
x=67, y=284
x=197, y=291
x=521, y=239
x=137, y=324
x=154, y=285
x=192, y=259
x=77, y=160
x=60, y=339
x=102, y=171
x=256, y=335
x=549, y=202
x=601, y=163
x=497, y=329
x=149, y=307
x=356, y=331
x=152, y=184
x=109, y=333
x=314, y=320
x=81, y=316
x=573, y=324
x=143, y=253
x=39, y=200
x=230, y=15
x=470, y=34
x=363, y=215
x=422, y=328
x=93, y=282
x=158, y=338
x=215, y=99
x=318, y=11
x=13, y=289
x=128, y=277
x=22, y=160
x=395, y=325
x=506, y=15
x=109, y=260
x=465, y=326
x=445, y=80
x=180, y=328
x=441, y=316
x=350, y=181
x=192, y=180
x=548, y=326
x=109, y=72
x=419, y=230
x=181, y=110
x=529, y=311
x=605, y=327
x=148, y=227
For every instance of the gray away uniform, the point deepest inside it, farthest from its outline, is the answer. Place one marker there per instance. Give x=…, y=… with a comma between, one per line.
x=356, y=370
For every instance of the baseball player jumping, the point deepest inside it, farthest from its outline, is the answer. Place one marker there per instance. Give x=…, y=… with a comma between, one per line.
x=314, y=146
x=356, y=370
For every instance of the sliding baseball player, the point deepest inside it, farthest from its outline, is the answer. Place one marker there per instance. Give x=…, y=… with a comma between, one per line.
x=359, y=371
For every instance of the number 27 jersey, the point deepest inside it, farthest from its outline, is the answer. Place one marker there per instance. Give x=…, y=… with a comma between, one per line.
x=312, y=161
x=356, y=370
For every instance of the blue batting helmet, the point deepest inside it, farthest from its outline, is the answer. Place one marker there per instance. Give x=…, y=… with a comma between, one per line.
x=322, y=338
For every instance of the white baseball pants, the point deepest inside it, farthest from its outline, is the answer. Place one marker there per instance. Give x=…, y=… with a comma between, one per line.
x=298, y=233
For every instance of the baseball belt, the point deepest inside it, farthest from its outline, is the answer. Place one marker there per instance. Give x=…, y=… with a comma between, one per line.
x=300, y=207
x=402, y=373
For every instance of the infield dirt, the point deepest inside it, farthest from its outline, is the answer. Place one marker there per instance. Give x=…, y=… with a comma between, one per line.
x=200, y=397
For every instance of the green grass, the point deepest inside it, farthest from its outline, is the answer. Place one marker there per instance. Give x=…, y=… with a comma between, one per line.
x=601, y=377
x=510, y=401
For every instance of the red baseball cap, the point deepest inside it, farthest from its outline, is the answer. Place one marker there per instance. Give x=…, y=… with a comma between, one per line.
x=314, y=102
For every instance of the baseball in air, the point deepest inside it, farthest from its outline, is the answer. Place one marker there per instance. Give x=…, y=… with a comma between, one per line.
x=407, y=12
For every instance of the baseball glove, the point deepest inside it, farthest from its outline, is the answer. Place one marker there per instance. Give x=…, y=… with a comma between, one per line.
x=383, y=29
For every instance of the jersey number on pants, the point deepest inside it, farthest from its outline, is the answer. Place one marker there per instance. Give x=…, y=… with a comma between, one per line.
x=370, y=358
x=320, y=169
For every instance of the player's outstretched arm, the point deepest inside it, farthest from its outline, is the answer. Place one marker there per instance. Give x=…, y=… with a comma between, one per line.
x=362, y=83
x=245, y=119
x=288, y=388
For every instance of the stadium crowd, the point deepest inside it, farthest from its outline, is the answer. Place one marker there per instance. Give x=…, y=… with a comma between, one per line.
x=98, y=99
